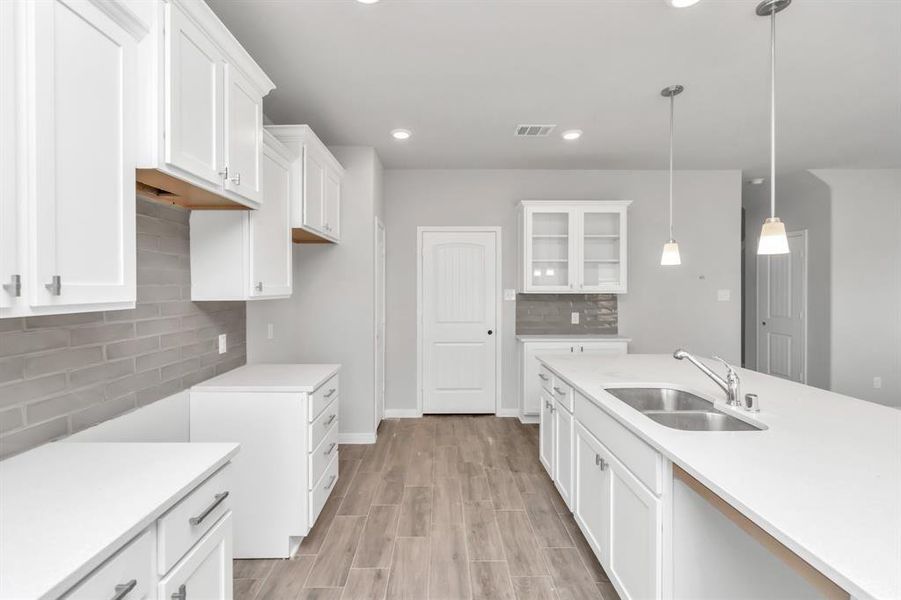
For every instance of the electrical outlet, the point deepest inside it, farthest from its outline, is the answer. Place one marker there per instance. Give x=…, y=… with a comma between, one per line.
x=222, y=344
x=270, y=331
x=877, y=383
x=509, y=295
x=723, y=295
x=574, y=318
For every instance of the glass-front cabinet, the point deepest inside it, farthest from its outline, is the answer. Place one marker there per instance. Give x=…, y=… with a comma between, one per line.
x=573, y=247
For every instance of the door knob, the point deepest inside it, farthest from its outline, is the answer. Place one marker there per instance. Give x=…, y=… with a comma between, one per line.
x=763, y=322
x=490, y=331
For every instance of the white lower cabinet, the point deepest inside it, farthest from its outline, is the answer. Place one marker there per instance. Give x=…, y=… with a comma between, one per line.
x=546, y=432
x=206, y=571
x=563, y=452
x=591, y=507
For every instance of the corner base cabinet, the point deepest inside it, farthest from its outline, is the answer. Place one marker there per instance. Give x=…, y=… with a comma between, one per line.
x=569, y=247
x=286, y=419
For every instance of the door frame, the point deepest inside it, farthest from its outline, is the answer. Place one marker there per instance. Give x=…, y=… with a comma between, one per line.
x=499, y=298
x=802, y=233
x=379, y=260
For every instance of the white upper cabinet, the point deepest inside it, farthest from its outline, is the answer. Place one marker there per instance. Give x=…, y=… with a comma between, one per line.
x=246, y=254
x=316, y=203
x=573, y=247
x=202, y=109
x=68, y=233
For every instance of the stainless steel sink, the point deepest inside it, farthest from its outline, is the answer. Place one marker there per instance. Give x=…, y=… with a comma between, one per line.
x=679, y=410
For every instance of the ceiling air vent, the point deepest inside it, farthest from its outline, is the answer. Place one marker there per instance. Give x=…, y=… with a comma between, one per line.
x=533, y=130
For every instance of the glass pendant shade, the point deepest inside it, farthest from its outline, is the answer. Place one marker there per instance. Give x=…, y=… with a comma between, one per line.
x=670, y=254
x=772, y=237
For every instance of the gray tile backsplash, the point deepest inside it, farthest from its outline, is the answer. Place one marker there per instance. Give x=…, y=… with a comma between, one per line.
x=550, y=314
x=62, y=373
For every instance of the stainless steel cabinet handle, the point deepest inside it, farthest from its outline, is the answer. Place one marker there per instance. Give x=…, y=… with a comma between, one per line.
x=581, y=348
x=331, y=419
x=600, y=462
x=14, y=287
x=259, y=286
x=330, y=448
x=331, y=482
x=329, y=394
x=55, y=286
x=181, y=594
x=559, y=391
x=543, y=377
x=223, y=172
x=124, y=589
x=236, y=179
x=217, y=500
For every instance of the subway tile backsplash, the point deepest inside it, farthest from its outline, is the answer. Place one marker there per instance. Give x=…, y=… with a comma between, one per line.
x=550, y=314
x=62, y=373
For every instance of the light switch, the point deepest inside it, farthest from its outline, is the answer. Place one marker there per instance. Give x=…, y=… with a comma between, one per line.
x=877, y=383
x=574, y=318
x=222, y=344
x=723, y=295
x=509, y=294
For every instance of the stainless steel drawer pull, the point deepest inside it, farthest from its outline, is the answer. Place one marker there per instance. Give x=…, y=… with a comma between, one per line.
x=543, y=377
x=236, y=179
x=600, y=462
x=259, y=286
x=329, y=394
x=330, y=483
x=331, y=420
x=217, y=500
x=55, y=287
x=559, y=391
x=181, y=594
x=14, y=287
x=330, y=448
x=124, y=589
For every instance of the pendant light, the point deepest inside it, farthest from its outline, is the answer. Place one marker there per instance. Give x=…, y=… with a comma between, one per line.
x=772, y=235
x=670, y=254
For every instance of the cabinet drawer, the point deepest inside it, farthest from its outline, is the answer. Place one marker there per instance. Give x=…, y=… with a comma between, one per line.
x=562, y=393
x=130, y=568
x=190, y=519
x=323, y=454
x=642, y=460
x=323, y=396
x=320, y=492
x=206, y=571
x=546, y=377
x=327, y=419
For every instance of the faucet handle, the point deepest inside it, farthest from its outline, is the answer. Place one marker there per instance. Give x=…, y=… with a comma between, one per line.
x=729, y=368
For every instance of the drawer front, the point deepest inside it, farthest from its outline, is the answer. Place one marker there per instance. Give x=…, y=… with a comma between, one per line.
x=322, y=425
x=562, y=392
x=323, y=488
x=612, y=348
x=206, y=571
x=642, y=460
x=190, y=519
x=128, y=573
x=323, y=454
x=323, y=396
x=546, y=378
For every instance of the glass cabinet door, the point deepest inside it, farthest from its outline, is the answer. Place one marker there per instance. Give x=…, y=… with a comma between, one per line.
x=601, y=250
x=549, y=249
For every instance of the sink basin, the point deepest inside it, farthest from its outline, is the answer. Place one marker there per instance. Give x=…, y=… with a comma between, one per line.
x=679, y=410
x=660, y=399
x=700, y=421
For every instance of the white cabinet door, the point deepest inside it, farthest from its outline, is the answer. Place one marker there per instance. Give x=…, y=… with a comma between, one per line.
x=194, y=122
x=270, y=231
x=549, y=248
x=10, y=268
x=206, y=570
x=563, y=452
x=82, y=67
x=531, y=384
x=601, y=249
x=592, y=505
x=332, y=200
x=243, y=143
x=313, y=190
x=546, y=434
x=635, y=536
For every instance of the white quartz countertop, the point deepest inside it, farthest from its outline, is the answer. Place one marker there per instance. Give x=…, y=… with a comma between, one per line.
x=824, y=478
x=66, y=508
x=270, y=378
x=571, y=338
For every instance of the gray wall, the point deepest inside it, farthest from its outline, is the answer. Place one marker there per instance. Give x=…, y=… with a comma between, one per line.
x=866, y=282
x=665, y=308
x=60, y=374
x=330, y=316
x=803, y=202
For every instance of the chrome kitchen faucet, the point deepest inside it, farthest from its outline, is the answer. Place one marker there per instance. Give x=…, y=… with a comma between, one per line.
x=731, y=385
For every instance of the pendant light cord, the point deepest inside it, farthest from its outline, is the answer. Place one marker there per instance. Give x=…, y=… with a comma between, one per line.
x=672, y=99
x=773, y=114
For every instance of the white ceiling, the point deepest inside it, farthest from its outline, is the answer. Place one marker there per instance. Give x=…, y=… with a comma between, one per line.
x=462, y=73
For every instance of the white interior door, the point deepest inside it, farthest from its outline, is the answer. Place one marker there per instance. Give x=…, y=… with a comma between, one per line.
x=458, y=319
x=379, y=321
x=781, y=311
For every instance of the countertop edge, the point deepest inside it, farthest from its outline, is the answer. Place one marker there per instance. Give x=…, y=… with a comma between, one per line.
x=264, y=387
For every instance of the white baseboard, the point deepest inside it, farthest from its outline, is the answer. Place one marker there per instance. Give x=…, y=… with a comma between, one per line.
x=529, y=419
x=356, y=438
x=508, y=412
x=402, y=413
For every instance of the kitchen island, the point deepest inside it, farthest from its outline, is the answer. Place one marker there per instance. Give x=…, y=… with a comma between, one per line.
x=821, y=478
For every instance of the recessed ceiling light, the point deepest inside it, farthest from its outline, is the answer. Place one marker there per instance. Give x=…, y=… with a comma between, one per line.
x=367, y=1
x=572, y=134
x=674, y=3
x=401, y=134
x=756, y=181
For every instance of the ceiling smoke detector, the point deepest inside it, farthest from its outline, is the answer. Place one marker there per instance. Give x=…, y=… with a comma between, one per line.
x=533, y=130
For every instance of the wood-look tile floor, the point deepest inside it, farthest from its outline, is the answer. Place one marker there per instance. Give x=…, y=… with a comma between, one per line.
x=443, y=507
